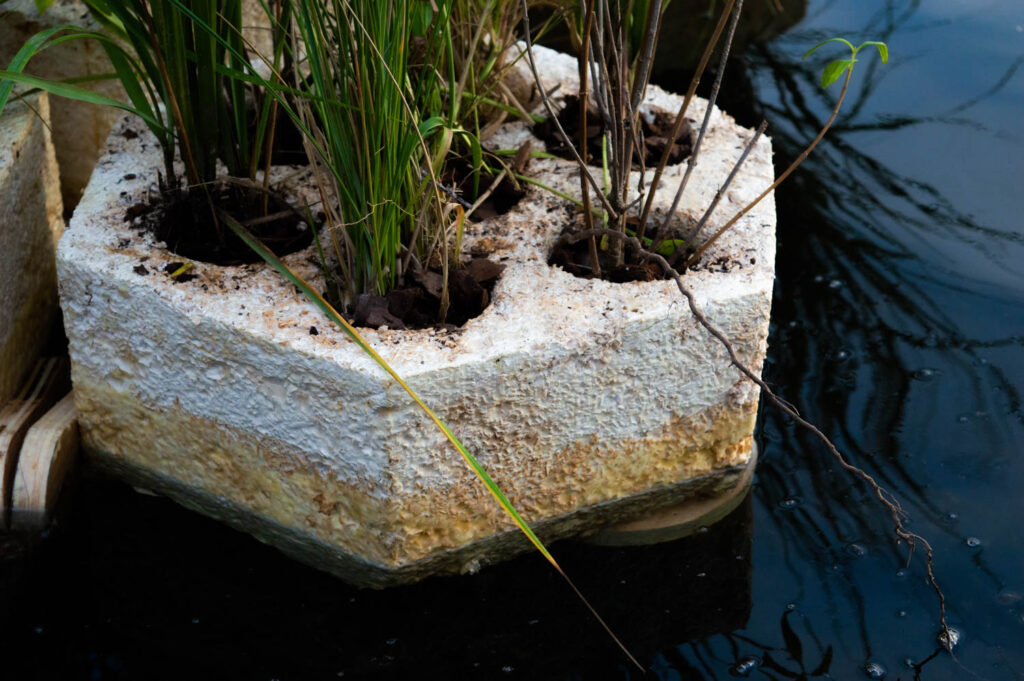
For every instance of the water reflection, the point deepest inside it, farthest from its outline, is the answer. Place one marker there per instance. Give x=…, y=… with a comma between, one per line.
x=897, y=328
x=133, y=584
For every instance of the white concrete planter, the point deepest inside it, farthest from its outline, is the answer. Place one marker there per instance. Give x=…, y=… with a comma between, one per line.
x=30, y=224
x=588, y=401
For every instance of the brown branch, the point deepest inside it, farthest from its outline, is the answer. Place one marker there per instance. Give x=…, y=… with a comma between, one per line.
x=786, y=173
x=681, y=115
x=584, y=62
x=887, y=500
x=551, y=111
x=691, y=162
x=728, y=180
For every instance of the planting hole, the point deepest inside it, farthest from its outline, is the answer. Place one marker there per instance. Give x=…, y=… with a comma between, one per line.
x=468, y=187
x=184, y=220
x=575, y=256
x=654, y=129
x=417, y=304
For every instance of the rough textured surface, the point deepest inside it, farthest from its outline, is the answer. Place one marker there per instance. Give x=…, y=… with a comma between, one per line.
x=30, y=224
x=586, y=400
x=79, y=129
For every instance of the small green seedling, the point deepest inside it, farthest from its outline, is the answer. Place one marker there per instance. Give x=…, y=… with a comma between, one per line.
x=833, y=70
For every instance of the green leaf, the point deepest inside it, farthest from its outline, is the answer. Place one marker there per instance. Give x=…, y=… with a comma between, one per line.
x=74, y=92
x=43, y=5
x=834, y=70
x=844, y=41
x=883, y=49
x=669, y=247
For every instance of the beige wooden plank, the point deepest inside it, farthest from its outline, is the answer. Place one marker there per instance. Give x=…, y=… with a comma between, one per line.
x=49, y=386
x=47, y=454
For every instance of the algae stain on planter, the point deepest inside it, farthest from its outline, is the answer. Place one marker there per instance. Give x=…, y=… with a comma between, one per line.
x=587, y=401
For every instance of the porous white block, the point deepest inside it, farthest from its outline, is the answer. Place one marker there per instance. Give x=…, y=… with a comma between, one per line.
x=30, y=224
x=587, y=401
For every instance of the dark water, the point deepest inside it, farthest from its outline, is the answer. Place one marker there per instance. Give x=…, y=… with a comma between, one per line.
x=899, y=326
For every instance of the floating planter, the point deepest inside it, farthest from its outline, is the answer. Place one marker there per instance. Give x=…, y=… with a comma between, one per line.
x=588, y=401
x=30, y=224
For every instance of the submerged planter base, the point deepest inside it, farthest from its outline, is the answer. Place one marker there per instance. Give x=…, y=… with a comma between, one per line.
x=589, y=402
x=466, y=559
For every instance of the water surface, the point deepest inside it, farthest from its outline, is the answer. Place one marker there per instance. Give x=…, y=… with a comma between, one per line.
x=898, y=327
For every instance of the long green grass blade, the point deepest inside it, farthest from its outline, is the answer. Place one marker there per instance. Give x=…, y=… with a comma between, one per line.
x=75, y=92
x=478, y=469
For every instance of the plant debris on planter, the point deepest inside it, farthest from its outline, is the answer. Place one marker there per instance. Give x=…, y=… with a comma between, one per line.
x=418, y=305
x=655, y=130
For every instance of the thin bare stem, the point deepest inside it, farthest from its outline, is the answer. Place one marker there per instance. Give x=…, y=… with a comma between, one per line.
x=887, y=500
x=677, y=125
x=652, y=28
x=728, y=181
x=551, y=111
x=584, y=62
x=786, y=173
x=691, y=162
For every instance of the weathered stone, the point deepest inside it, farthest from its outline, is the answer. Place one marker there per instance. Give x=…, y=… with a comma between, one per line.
x=587, y=401
x=30, y=224
x=79, y=129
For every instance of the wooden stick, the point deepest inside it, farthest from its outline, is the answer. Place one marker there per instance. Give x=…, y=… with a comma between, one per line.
x=47, y=454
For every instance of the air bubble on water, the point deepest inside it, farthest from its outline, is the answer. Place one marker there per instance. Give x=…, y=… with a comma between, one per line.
x=818, y=278
x=392, y=641
x=790, y=606
x=902, y=573
x=702, y=529
x=793, y=324
x=507, y=669
x=949, y=642
x=924, y=374
x=745, y=666
x=1008, y=597
x=835, y=283
x=952, y=516
x=843, y=354
x=856, y=550
x=702, y=574
x=909, y=663
x=963, y=418
x=973, y=542
x=901, y=613
x=195, y=620
x=789, y=503
x=875, y=670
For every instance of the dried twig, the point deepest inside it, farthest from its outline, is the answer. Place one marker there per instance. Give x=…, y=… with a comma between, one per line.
x=887, y=500
x=551, y=110
x=728, y=181
x=677, y=125
x=691, y=162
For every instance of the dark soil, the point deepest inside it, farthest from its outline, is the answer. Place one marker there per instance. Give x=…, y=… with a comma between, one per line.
x=655, y=136
x=574, y=258
x=460, y=181
x=288, y=148
x=184, y=220
x=417, y=305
